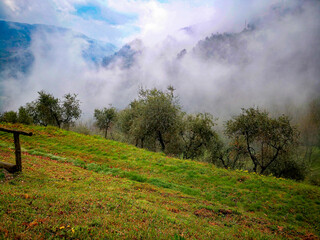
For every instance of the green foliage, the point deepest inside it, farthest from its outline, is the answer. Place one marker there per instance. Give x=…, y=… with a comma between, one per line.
x=12, y=117
x=160, y=116
x=23, y=116
x=70, y=109
x=9, y=117
x=230, y=156
x=48, y=110
x=104, y=118
x=266, y=139
x=309, y=126
x=197, y=134
x=45, y=110
x=155, y=118
x=314, y=175
x=292, y=167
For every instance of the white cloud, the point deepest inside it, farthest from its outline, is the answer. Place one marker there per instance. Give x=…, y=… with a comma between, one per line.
x=282, y=68
x=155, y=20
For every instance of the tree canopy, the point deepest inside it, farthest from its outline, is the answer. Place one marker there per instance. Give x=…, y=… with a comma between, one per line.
x=104, y=118
x=154, y=116
x=48, y=110
x=266, y=139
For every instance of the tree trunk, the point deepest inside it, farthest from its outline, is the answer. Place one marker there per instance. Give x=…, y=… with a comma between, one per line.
x=274, y=158
x=262, y=170
x=161, y=141
x=255, y=165
x=223, y=162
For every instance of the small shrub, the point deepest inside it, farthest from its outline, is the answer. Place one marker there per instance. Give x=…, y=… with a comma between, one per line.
x=9, y=117
x=288, y=168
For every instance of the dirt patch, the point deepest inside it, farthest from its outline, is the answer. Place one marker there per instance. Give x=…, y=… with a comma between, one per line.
x=174, y=210
x=205, y=213
x=242, y=178
x=167, y=194
x=225, y=212
x=310, y=236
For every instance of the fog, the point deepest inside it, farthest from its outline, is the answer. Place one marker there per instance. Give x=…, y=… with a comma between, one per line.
x=281, y=68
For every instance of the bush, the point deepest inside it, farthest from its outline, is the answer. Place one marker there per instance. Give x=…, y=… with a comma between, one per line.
x=289, y=168
x=24, y=117
x=10, y=117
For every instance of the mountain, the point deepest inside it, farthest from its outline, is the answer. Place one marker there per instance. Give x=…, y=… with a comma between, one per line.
x=126, y=56
x=225, y=47
x=15, y=39
x=74, y=186
x=16, y=55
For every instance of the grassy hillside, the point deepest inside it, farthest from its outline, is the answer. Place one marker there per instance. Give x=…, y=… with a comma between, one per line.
x=76, y=187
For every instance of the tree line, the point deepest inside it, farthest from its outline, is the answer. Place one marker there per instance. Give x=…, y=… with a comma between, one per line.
x=252, y=140
x=47, y=110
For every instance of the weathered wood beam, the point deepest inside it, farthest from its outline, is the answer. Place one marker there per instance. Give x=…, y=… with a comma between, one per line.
x=15, y=131
x=17, y=151
x=18, y=167
x=11, y=168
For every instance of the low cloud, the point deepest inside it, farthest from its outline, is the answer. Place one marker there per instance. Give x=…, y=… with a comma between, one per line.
x=281, y=66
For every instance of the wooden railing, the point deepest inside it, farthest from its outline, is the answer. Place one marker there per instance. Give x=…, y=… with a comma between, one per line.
x=11, y=167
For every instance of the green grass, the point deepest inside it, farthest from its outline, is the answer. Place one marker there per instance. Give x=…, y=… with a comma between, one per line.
x=75, y=186
x=314, y=176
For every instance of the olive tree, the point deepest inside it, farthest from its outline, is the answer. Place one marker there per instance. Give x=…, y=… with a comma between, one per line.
x=197, y=134
x=104, y=118
x=159, y=115
x=266, y=139
x=131, y=123
x=23, y=116
x=227, y=155
x=70, y=109
x=152, y=120
x=49, y=110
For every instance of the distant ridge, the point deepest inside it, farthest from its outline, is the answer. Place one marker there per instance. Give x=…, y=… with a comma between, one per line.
x=15, y=41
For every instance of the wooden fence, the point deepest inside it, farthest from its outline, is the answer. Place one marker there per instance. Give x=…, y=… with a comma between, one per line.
x=18, y=166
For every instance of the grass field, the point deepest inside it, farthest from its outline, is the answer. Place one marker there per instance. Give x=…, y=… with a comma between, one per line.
x=85, y=187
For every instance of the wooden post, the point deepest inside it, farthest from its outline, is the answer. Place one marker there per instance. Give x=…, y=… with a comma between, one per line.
x=18, y=167
x=17, y=151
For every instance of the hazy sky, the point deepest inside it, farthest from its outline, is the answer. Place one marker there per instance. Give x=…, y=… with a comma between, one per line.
x=283, y=56
x=119, y=21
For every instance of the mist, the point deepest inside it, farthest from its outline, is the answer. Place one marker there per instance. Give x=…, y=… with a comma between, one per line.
x=278, y=67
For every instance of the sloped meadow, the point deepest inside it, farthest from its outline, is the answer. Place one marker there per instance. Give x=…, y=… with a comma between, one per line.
x=75, y=186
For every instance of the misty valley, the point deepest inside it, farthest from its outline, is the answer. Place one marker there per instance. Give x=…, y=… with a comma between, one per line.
x=160, y=119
